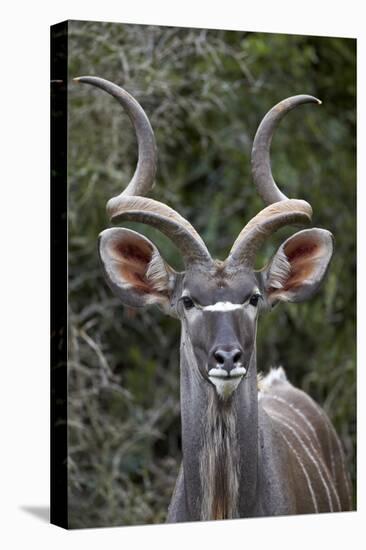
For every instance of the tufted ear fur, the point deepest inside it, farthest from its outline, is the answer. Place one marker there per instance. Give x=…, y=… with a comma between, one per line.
x=134, y=268
x=299, y=266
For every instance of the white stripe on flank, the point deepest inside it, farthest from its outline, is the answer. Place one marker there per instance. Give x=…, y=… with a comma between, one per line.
x=324, y=417
x=311, y=457
x=298, y=412
x=310, y=487
x=317, y=456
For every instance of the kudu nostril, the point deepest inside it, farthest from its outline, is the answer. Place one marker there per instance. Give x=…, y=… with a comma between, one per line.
x=219, y=357
x=237, y=357
x=227, y=359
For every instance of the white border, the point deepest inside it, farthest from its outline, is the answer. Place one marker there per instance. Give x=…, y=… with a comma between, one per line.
x=24, y=354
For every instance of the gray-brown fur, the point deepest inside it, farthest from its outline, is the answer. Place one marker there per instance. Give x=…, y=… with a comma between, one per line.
x=298, y=420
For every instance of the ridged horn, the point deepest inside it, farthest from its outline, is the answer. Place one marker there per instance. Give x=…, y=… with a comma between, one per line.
x=261, y=227
x=131, y=204
x=261, y=162
x=143, y=178
x=280, y=211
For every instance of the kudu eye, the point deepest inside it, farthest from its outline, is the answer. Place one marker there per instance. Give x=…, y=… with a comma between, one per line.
x=254, y=300
x=187, y=302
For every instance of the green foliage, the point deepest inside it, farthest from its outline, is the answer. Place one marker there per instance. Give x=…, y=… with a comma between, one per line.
x=205, y=93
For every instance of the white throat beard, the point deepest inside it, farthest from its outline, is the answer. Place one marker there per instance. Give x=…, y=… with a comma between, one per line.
x=225, y=386
x=219, y=462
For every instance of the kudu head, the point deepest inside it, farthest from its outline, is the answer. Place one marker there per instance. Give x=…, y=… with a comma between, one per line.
x=216, y=301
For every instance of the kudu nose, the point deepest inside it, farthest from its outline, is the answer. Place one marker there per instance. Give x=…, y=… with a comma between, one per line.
x=227, y=359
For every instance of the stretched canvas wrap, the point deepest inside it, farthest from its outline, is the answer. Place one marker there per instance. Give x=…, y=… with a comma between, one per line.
x=203, y=195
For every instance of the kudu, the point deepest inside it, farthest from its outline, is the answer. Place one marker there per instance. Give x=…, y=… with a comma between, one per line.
x=250, y=447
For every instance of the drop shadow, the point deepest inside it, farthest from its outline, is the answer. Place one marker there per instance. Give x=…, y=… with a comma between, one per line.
x=40, y=512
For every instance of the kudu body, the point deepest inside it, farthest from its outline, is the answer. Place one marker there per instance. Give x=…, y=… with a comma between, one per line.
x=250, y=447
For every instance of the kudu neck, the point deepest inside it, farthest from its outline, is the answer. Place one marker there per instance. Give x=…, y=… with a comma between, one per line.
x=219, y=443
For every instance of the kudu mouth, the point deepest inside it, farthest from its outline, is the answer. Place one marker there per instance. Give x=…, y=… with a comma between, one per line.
x=237, y=372
x=226, y=383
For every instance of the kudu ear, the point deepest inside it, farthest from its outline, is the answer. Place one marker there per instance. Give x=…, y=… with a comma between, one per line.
x=299, y=266
x=134, y=268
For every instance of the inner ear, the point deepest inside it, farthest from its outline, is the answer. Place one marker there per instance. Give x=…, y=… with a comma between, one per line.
x=299, y=266
x=302, y=253
x=134, y=268
x=133, y=257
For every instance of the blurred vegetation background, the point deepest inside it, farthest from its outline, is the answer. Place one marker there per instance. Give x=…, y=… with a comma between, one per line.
x=205, y=92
